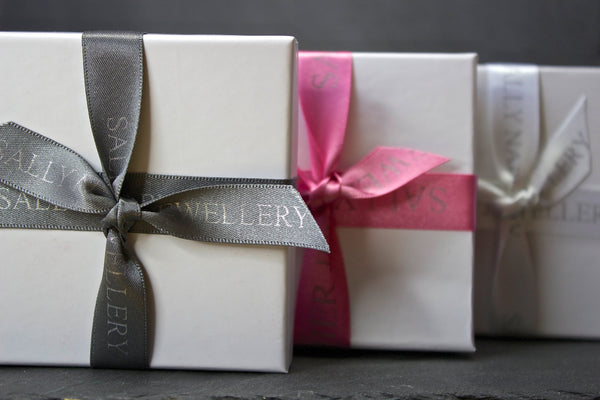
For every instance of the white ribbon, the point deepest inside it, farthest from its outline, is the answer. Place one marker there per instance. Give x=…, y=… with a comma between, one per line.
x=522, y=172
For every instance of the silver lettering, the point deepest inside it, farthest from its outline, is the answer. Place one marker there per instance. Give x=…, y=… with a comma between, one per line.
x=225, y=222
x=261, y=214
x=282, y=216
x=242, y=221
x=31, y=163
x=38, y=205
x=115, y=311
x=117, y=125
x=208, y=213
x=110, y=290
x=64, y=176
x=16, y=157
x=117, y=143
x=5, y=205
x=118, y=327
x=45, y=177
x=301, y=216
x=190, y=210
x=22, y=199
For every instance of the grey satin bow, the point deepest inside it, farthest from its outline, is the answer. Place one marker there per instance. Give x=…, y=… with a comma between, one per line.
x=40, y=167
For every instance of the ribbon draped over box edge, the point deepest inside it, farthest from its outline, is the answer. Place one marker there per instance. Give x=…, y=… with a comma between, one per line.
x=117, y=203
x=368, y=194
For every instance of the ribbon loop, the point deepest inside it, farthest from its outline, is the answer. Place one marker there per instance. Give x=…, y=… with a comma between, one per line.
x=511, y=103
x=324, y=90
x=326, y=191
x=41, y=167
x=508, y=206
x=113, y=71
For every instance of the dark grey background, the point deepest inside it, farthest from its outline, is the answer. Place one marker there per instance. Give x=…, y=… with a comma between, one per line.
x=560, y=32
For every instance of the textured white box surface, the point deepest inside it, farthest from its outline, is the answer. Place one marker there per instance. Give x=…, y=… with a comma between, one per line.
x=410, y=289
x=212, y=106
x=566, y=267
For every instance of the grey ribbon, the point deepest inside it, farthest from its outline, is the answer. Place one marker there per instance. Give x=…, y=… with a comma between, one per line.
x=49, y=186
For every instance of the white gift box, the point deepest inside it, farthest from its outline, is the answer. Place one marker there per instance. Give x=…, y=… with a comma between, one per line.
x=220, y=106
x=561, y=290
x=409, y=289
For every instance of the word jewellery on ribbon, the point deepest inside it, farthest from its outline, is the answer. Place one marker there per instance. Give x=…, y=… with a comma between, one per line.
x=525, y=175
x=43, y=175
x=367, y=194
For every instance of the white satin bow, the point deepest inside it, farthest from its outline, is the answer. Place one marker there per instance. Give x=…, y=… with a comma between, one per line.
x=522, y=172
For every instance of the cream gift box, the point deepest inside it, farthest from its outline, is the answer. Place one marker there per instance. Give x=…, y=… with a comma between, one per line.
x=555, y=296
x=409, y=289
x=212, y=106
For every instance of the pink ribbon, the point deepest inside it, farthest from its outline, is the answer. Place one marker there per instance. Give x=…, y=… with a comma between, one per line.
x=378, y=191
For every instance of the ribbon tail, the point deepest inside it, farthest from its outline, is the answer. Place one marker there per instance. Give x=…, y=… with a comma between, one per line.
x=265, y=214
x=514, y=288
x=385, y=169
x=567, y=158
x=323, y=306
x=120, y=330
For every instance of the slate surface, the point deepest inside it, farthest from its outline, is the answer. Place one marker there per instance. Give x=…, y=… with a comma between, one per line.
x=511, y=369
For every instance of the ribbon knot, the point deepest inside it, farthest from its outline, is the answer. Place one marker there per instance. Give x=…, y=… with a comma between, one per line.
x=508, y=206
x=122, y=217
x=326, y=192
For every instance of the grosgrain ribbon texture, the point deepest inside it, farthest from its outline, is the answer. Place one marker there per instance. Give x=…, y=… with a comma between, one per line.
x=221, y=210
x=366, y=194
x=523, y=174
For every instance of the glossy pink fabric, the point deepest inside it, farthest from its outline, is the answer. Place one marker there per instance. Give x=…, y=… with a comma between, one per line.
x=386, y=189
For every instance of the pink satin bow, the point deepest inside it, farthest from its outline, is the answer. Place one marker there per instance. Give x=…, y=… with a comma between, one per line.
x=323, y=312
